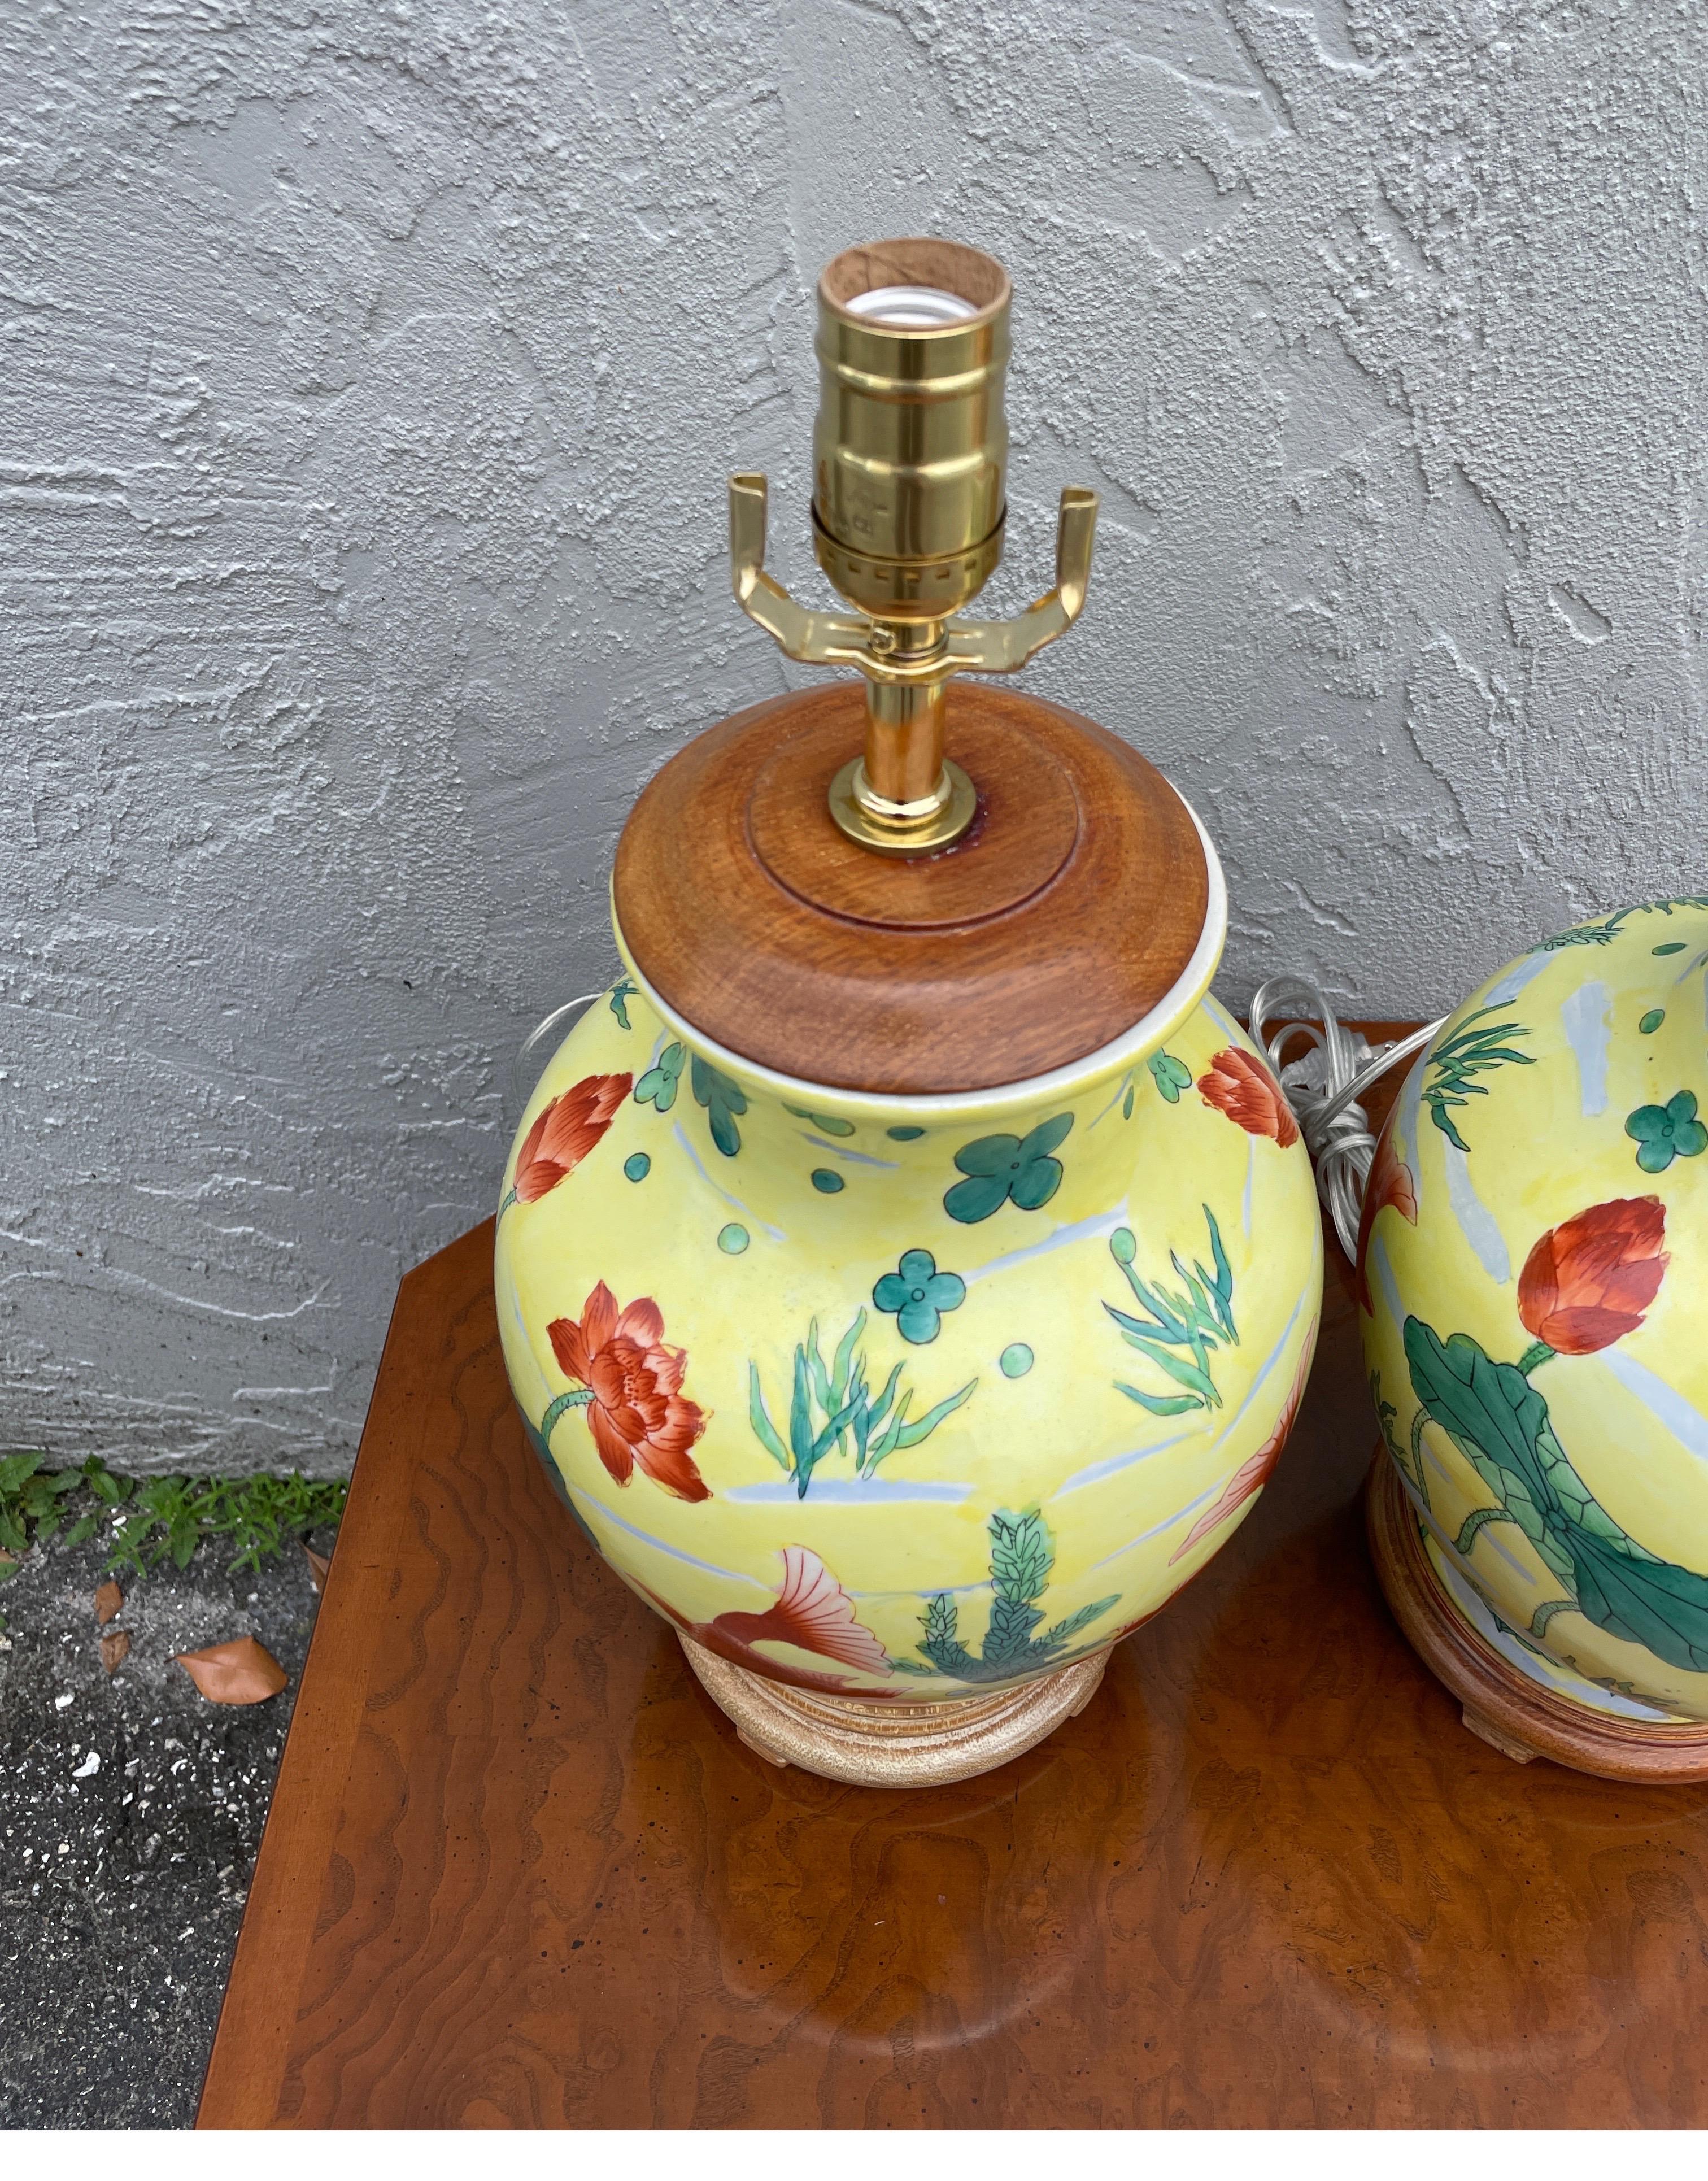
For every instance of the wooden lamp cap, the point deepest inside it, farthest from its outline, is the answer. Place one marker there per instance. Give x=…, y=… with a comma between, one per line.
x=1070, y=908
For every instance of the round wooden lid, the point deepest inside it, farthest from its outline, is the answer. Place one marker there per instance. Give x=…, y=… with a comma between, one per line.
x=1067, y=912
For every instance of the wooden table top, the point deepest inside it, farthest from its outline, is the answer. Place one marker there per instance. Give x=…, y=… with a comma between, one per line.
x=519, y=1871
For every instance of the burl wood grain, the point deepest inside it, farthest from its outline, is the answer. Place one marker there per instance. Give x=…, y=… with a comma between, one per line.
x=519, y=1872
x=1067, y=912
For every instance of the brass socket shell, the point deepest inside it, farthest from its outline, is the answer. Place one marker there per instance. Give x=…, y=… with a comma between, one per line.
x=911, y=445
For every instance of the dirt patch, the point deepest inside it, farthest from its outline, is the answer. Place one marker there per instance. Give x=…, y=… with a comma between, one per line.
x=130, y=1812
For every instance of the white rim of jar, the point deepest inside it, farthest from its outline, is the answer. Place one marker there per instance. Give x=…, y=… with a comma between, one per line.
x=1127, y=1051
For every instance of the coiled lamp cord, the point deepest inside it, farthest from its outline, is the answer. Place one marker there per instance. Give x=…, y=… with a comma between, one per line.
x=1325, y=1085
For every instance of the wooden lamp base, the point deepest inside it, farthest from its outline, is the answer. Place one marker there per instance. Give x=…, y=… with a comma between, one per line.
x=1521, y=1718
x=893, y=1745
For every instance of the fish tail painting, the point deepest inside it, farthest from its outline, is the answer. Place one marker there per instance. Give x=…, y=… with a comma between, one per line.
x=812, y=1612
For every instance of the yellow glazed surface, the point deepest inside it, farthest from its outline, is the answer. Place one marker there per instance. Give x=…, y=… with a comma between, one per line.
x=804, y=1254
x=1535, y=1264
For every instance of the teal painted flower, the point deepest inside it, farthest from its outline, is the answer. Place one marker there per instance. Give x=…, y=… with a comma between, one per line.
x=1664, y=1132
x=999, y=1169
x=723, y=1100
x=1169, y=1075
x=657, y=1086
x=916, y=1294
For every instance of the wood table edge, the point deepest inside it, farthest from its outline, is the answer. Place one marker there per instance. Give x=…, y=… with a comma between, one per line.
x=245, y=2064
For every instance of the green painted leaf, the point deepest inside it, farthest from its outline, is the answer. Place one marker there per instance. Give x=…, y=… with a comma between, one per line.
x=1009, y=1634
x=800, y=1433
x=815, y=1364
x=1036, y=1184
x=1501, y=1423
x=1477, y=1520
x=831, y=1124
x=763, y=1429
x=844, y=1352
x=1160, y=1404
x=1045, y=1137
x=1064, y=1632
x=975, y=1199
x=1183, y=1373
x=1021, y=1553
x=988, y=1156
x=911, y=1434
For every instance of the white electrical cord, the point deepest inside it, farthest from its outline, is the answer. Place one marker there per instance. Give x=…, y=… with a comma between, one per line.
x=553, y=1026
x=1324, y=1086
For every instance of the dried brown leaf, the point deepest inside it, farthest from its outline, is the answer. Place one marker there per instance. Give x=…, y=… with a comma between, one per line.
x=318, y=1564
x=115, y=1648
x=242, y=1672
x=109, y=1603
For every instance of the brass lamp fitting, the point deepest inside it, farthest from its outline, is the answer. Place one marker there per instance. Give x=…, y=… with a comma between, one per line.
x=910, y=465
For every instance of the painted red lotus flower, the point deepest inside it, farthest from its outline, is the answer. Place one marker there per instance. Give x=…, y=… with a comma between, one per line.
x=566, y=1131
x=1252, y=1476
x=1244, y=1090
x=1588, y=1282
x=813, y=1612
x=637, y=1413
x=1391, y=1183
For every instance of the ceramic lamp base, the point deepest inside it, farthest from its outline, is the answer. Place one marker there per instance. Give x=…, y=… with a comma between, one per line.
x=893, y=1745
x=1521, y=1717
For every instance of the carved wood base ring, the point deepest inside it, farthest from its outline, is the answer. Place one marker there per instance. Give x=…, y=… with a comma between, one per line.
x=893, y=1745
x=1519, y=1717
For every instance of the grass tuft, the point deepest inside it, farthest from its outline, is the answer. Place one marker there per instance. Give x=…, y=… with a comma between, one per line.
x=156, y=1519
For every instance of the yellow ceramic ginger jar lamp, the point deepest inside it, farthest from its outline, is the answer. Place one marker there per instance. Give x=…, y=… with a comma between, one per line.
x=1531, y=1268
x=909, y=1272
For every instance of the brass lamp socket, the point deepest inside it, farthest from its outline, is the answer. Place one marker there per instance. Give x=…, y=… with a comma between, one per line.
x=910, y=457
x=910, y=451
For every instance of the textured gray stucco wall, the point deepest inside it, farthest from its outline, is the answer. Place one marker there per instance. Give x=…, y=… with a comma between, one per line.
x=369, y=375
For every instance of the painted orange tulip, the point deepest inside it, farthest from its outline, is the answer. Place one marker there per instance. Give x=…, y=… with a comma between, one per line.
x=1244, y=1090
x=564, y=1132
x=1587, y=1282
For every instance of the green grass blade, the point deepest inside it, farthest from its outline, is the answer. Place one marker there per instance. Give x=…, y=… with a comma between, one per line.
x=764, y=1430
x=911, y=1434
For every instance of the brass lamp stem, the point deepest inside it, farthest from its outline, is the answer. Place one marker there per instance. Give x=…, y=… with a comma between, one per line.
x=904, y=724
